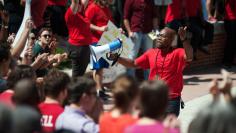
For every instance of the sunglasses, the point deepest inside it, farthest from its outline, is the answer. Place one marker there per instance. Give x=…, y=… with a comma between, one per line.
x=32, y=38
x=47, y=35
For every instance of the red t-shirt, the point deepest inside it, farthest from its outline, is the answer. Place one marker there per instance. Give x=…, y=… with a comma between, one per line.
x=168, y=67
x=108, y=124
x=79, y=29
x=230, y=10
x=6, y=98
x=37, y=11
x=180, y=9
x=57, y=2
x=50, y=112
x=98, y=16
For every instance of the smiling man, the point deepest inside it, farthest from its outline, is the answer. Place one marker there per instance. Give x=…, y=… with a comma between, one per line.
x=166, y=63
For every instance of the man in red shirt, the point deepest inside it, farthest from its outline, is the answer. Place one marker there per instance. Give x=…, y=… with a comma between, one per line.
x=166, y=63
x=80, y=36
x=99, y=14
x=56, y=92
x=230, y=28
x=139, y=19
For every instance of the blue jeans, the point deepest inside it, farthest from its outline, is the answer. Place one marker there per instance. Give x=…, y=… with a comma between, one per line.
x=174, y=106
x=141, y=41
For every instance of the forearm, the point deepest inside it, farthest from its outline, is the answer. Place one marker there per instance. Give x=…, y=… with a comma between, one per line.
x=94, y=27
x=127, y=25
x=208, y=7
x=4, y=33
x=188, y=50
x=20, y=44
x=127, y=62
x=74, y=6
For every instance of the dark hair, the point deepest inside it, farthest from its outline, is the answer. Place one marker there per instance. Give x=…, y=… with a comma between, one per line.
x=26, y=120
x=55, y=82
x=42, y=30
x=5, y=119
x=216, y=118
x=78, y=87
x=125, y=89
x=4, y=52
x=20, y=72
x=26, y=93
x=153, y=98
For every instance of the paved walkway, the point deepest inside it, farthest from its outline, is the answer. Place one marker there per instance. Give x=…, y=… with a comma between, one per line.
x=196, y=93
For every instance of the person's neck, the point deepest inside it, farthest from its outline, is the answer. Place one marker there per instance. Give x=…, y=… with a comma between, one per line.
x=166, y=50
x=42, y=45
x=51, y=100
x=146, y=121
x=76, y=106
x=116, y=112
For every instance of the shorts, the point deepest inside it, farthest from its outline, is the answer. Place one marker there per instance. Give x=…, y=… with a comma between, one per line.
x=57, y=21
x=101, y=63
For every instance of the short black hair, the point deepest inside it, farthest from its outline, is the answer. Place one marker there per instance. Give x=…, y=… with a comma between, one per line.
x=20, y=72
x=78, y=87
x=55, y=82
x=153, y=98
x=26, y=93
x=4, y=52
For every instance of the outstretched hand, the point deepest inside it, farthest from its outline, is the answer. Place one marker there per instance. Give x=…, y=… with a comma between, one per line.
x=182, y=33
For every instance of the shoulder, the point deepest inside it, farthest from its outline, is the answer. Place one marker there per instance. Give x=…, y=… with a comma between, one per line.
x=179, y=51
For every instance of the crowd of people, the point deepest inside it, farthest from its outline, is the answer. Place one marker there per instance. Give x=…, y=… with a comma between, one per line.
x=37, y=97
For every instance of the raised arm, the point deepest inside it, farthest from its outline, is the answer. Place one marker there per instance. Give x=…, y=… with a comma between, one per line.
x=23, y=38
x=77, y=5
x=4, y=26
x=186, y=44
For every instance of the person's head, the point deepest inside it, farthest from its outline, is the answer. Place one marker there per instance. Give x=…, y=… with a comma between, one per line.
x=5, y=119
x=102, y=2
x=82, y=91
x=32, y=38
x=153, y=98
x=26, y=120
x=20, y=72
x=165, y=38
x=55, y=85
x=217, y=118
x=45, y=36
x=5, y=57
x=26, y=93
x=125, y=91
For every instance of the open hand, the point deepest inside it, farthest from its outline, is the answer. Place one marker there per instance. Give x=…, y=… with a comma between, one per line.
x=182, y=33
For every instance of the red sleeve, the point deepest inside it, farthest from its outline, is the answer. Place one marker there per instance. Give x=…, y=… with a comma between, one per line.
x=143, y=60
x=90, y=12
x=127, y=9
x=69, y=15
